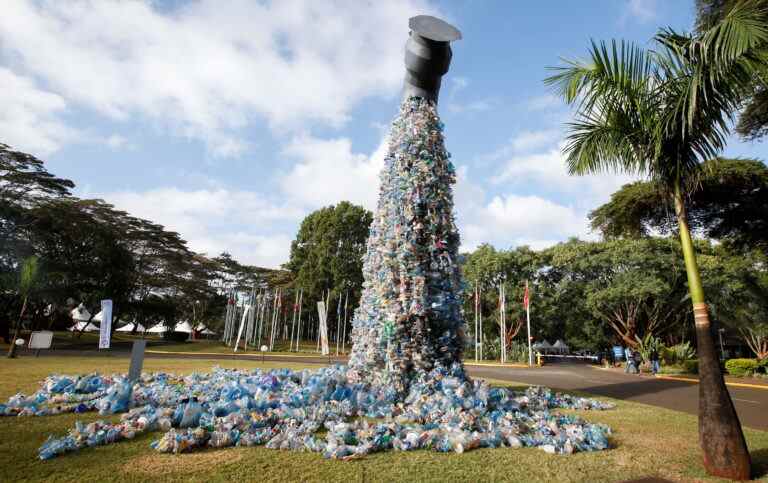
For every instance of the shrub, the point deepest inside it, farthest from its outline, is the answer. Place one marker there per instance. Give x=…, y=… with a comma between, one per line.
x=516, y=352
x=648, y=344
x=677, y=354
x=741, y=367
x=691, y=366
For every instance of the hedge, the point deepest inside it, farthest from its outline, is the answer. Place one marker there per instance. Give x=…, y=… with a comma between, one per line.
x=741, y=367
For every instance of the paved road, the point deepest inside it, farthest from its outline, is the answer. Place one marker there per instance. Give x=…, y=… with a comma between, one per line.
x=751, y=404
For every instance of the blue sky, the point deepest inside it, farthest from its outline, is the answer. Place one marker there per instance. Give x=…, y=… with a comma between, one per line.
x=230, y=121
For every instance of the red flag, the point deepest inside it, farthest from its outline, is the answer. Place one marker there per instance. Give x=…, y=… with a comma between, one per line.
x=526, y=297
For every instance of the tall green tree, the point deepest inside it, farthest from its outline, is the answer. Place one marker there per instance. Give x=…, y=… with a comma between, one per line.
x=753, y=118
x=728, y=204
x=327, y=253
x=661, y=114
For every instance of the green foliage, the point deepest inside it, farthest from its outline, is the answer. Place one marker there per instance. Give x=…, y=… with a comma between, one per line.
x=741, y=367
x=516, y=352
x=328, y=251
x=648, y=344
x=29, y=275
x=92, y=251
x=678, y=353
x=753, y=119
x=727, y=204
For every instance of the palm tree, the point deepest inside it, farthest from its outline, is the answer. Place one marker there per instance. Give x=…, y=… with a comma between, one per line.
x=27, y=281
x=660, y=114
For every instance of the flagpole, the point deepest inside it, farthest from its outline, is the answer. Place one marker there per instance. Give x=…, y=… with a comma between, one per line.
x=528, y=317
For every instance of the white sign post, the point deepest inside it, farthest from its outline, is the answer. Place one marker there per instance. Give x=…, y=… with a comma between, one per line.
x=106, y=324
x=322, y=314
x=40, y=340
x=242, y=324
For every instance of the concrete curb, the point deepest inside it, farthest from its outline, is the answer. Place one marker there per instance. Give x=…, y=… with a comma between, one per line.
x=727, y=383
x=696, y=381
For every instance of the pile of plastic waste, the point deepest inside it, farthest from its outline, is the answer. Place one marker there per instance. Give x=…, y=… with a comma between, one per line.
x=286, y=409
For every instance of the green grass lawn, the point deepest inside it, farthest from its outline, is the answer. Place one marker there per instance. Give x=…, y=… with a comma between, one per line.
x=647, y=441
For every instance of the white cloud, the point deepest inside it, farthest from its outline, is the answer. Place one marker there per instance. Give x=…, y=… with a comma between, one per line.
x=29, y=116
x=642, y=11
x=544, y=103
x=530, y=140
x=508, y=219
x=247, y=224
x=535, y=201
x=547, y=172
x=328, y=171
x=206, y=72
x=212, y=221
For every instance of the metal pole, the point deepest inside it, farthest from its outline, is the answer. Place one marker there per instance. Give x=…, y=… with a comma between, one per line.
x=477, y=327
x=480, y=334
x=528, y=318
x=293, y=324
x=338, y=324
x=344, y=338
x=298, y=332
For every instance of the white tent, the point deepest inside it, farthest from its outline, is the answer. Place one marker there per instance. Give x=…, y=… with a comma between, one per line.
x=129, y=327
x=560, y=346
x=543, y=346
x=84, y=326
x=204, y=330
x=183, y=327
x=157, y=329
x=97, y=318
x=80, y=313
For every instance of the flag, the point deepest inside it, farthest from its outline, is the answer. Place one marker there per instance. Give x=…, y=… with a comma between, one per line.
x=526, y=297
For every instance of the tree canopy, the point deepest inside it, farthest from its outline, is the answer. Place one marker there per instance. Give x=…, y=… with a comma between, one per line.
x=753, y=118
x=728, y=205
x=89, y=251
x=327, y=253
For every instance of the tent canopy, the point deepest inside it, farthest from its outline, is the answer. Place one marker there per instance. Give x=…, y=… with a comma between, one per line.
x=204, y=330
x=156, y=329
x=80, y=313
x=560, y=346
x=183, y=327
x=129, y=327
x=84, y=326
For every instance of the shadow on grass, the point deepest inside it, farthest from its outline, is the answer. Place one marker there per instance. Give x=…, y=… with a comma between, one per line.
x=759, y=463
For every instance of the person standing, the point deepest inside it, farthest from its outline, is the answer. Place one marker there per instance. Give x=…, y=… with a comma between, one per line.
x=655, y=366
x=628, y=359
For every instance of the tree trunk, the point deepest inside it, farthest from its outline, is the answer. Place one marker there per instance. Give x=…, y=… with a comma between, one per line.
x=17, y=331
x=720, y=435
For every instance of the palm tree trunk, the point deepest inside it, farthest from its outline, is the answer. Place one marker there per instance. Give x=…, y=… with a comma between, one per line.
x=720, y=434
x=17, y=331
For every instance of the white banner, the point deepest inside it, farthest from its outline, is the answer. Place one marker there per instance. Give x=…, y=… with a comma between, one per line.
x=106, y=324
x=242, y=324
x=323, y=328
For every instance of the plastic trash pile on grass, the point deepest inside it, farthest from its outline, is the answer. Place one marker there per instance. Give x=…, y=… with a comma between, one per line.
x=405, y=370
x=286, y=409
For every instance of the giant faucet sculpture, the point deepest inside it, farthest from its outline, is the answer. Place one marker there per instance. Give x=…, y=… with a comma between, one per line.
x=409, y=320
x=405, y=370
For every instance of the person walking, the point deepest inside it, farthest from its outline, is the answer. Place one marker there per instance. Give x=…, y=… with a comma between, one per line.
x=628, y=359
x=638, y=359
x=655, y=366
